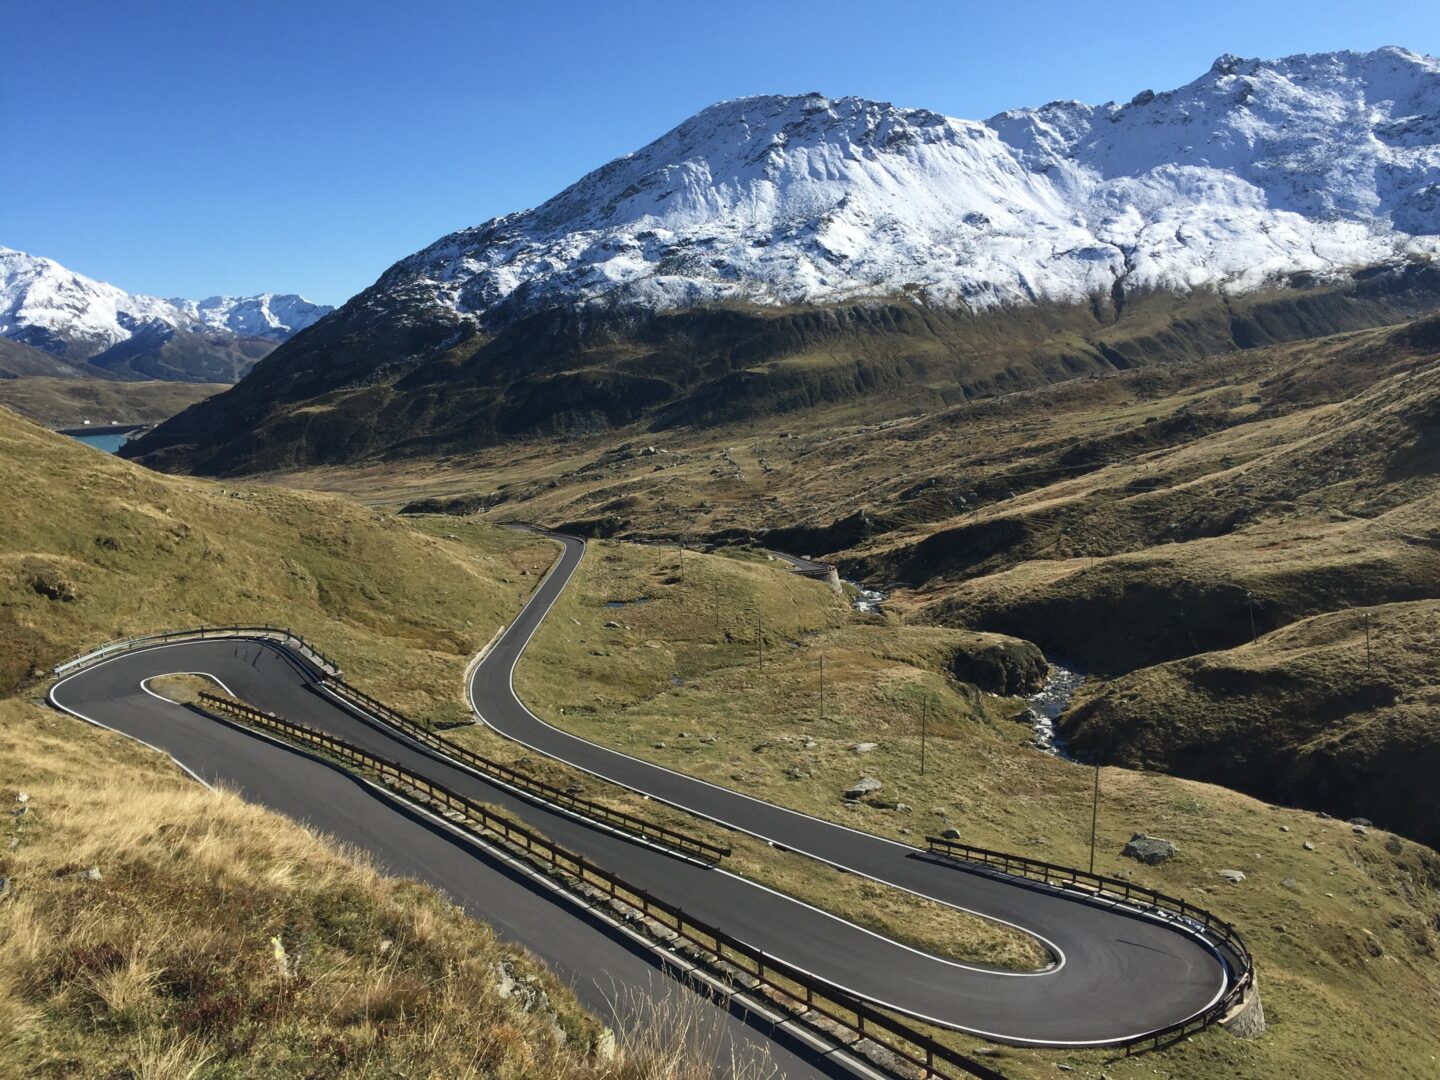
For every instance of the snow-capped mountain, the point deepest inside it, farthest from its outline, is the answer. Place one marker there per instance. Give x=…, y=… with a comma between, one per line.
x=1258, y=169
x=269, y=315
x=47, y=306
x=778, y=254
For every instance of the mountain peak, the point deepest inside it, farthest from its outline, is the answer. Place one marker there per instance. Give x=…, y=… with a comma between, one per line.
x=47, y=306
x=1260, y=168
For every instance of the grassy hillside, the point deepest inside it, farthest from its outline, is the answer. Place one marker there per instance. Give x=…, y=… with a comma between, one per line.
x=1339, y=712
x=96, y=548
x=18, y=360
x=384, y=379
x=1305, y=511
x=1346, y=934
x=61, y=403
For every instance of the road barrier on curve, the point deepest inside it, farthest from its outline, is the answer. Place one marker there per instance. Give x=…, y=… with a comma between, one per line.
x=332, y=678
x=1196, y=920
x=202, y=633
x=811, y=1000
x=617, y=819
x=800, y=990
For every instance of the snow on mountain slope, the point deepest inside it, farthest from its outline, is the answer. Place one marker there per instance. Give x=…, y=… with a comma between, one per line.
x=47, y=306
x=1258, y=169
x=272, y=315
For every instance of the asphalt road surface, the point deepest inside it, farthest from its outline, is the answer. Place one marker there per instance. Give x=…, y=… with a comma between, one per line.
x=1117, y=974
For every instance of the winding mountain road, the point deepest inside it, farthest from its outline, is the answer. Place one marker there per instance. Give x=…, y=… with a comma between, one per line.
x=1118, y=973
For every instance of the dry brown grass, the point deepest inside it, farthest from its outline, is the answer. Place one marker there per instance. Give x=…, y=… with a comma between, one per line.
x=223, y=940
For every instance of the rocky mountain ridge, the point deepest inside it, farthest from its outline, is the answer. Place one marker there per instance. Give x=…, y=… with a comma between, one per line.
x=1257, y=170
x=81, y=320
x=784, y=254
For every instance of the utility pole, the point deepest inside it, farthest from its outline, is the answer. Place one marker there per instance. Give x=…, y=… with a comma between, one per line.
x=924, y=723
x=1250, y=603
x=1094, y=816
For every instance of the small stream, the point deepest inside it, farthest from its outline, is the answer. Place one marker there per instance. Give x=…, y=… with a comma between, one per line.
x=1046, y=704
x=867, y=600
x=1049, y=702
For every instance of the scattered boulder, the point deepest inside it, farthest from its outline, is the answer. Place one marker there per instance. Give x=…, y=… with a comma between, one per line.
x=605, y=1048
x=1234, y=877
x=950, y=834
x=862, y=787
x=51, y=585
x=1150, y=850
x=864, y=747
x=890, y=804
x=1363, y=822
x=1308, y=846
x=612, y=625
x=795, y=772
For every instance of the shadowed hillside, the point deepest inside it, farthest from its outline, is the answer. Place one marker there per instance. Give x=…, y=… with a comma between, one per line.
x=385, y=378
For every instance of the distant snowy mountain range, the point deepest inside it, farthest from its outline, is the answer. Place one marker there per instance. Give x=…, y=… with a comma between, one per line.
x=78, y=319
x=777, y=254
x=1258, y=169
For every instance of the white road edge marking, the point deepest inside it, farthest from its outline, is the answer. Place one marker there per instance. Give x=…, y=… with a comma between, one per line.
x=831, y=1050
x=1225, y=969
x=1019, y=1040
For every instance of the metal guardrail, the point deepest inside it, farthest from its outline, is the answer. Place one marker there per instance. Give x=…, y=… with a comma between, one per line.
x=618, y=819
x=200, y=633
x=811, y=993
x=800, y=992
x=1200, y=922
x=331, y=677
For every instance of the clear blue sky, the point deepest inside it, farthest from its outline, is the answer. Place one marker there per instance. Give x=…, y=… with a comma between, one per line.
x=190, y=148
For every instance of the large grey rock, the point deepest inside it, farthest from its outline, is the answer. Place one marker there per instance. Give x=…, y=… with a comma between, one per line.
x=863, y=747
x=1150, y=850
x=1234, y=877
x=1006, y=667
x=862, y=787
